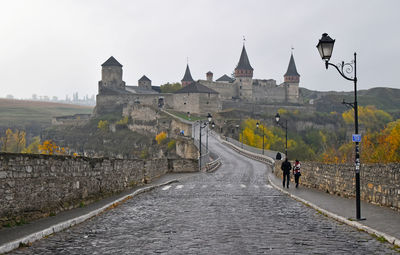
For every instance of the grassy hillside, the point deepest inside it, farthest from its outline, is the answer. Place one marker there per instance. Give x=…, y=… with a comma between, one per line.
x=387, y=99
x=32, y=116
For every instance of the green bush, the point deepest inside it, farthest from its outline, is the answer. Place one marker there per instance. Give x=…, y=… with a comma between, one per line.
x=171, y=145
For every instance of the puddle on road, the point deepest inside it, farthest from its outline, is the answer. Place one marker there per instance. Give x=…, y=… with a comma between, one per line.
x=166, y=187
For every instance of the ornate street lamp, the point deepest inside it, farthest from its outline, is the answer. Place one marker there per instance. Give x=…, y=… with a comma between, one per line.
x=258, y=124
x=325, y=48
x=277, y=119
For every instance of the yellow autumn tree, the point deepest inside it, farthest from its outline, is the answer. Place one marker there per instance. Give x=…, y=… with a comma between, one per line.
x=33, y=148
x=13, y=141
x=383, y=146
x=161, y=137
x=51, y=148
x=19, y=140
x=369, y=117
x=330, y=156
x=103, y=125
x=6, y=141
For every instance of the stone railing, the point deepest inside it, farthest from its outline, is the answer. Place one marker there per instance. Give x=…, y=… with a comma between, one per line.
x=215, y=164
x=259, y=157
x=33, y=186
x=268, y=153
x=380, y=183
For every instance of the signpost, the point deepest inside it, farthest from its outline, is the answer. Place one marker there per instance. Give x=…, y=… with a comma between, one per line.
x=356, y=138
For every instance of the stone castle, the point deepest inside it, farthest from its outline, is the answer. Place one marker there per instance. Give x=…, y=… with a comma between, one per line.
x=201, y=96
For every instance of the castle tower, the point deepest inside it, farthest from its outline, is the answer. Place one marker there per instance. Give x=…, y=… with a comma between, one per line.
x=187, y=78
x=144, y=83
x=209, y=76
x=292, y=80
x=244, y=76
x=111, y=75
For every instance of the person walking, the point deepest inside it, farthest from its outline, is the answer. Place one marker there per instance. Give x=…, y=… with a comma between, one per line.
x=296, y=172
x=286, y=167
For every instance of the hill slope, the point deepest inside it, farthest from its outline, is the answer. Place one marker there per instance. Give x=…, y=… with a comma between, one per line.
x=32, y=116
x=387, y=99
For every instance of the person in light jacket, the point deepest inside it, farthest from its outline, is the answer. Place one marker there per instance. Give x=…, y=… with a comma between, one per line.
x=296, y=172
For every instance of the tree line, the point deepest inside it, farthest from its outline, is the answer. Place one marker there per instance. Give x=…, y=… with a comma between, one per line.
x=380, y=141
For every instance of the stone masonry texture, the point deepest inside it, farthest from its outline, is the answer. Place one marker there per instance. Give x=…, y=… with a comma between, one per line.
x=34, y=186
x=380, y=183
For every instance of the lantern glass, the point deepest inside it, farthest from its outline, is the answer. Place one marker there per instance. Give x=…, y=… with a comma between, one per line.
x=325, y=46
x=277, y=117
x=209, y=117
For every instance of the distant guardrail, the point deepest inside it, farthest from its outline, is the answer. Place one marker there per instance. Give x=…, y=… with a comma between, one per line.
x=269, y=153
x=256, y=156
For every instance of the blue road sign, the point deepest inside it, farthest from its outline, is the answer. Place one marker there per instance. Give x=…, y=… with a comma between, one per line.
x=356, y=138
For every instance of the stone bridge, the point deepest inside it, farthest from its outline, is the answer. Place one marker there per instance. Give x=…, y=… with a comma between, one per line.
x=233, y=210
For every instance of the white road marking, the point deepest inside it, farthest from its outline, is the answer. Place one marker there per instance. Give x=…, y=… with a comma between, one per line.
x=204, y=186
x=179, y=187
x=256, y=186
x=268, y=186
x=242, y=185
x=166, y=187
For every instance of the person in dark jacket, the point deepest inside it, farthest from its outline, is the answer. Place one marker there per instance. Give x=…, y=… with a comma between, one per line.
x=286, y=167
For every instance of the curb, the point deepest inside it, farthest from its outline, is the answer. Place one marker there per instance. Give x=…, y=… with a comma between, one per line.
x=69, y=223
x=390, y=239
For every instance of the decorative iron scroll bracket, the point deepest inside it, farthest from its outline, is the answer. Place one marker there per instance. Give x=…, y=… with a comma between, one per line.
x=343, y=69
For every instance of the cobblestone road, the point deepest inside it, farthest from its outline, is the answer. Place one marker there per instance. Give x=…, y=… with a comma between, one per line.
x=231, y=211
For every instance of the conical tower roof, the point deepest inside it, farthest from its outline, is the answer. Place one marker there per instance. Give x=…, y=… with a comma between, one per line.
x=291, y=71
x=187, y=76
x=111, y=62
x=244, y=62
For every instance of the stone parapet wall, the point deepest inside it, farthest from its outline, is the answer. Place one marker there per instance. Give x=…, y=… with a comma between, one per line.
x=380, y=183
x=33, y=186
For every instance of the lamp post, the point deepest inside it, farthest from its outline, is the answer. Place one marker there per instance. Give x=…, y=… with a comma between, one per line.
x=209, y=118
x=325, y=48
x=277, y=119
x=258, y=124
x=237, y=131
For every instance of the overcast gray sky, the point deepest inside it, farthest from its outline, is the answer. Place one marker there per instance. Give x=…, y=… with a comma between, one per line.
x=55, y=48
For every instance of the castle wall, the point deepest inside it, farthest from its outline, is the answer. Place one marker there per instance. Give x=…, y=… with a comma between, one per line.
x=269, y=93
x=262, y=91
x=209, y=103
x=186, y=102
x=226, y=90
x=114, y=103
x=260, y=108
x=200, y=103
